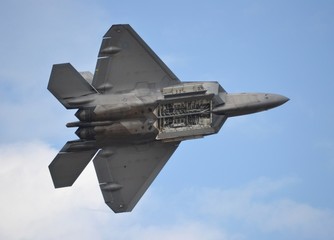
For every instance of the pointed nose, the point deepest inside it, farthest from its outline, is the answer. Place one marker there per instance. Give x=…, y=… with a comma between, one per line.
x=284, y=99
x=275, y=100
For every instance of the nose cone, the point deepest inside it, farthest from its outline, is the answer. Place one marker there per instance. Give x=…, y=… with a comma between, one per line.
x=247, y=103
x=275, y=100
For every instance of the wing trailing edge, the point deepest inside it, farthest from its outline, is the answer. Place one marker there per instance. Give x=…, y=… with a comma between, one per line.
x=125, y=60
x=126, y=171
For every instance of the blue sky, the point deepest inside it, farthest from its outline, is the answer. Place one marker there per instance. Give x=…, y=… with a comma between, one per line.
x=264, y=176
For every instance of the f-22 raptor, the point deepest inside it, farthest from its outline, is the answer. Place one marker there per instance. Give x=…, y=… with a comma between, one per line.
x=133, y=112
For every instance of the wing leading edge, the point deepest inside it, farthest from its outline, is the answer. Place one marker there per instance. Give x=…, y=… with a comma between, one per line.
x=125, y=60
x=125, y=63
x=126, y=171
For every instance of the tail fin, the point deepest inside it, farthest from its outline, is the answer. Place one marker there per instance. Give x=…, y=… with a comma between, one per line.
x=70, y=162
x=69, y=86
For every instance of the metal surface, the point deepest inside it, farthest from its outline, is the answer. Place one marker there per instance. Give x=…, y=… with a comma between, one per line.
x=133, y=112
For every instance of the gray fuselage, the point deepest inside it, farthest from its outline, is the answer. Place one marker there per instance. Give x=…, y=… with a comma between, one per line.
x=184, y=111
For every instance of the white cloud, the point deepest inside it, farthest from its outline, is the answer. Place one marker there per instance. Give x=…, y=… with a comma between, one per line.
x=32, y=209
x=178, y=231
x=255, y=206
x=29, y=206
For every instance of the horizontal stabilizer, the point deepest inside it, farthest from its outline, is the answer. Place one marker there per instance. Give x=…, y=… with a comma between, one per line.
x=67, y=166
x=69, y=86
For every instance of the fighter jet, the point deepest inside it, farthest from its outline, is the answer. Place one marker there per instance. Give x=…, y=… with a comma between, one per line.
x=133, y=112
